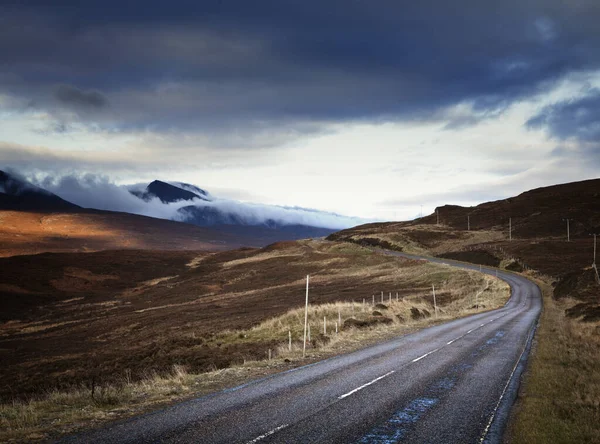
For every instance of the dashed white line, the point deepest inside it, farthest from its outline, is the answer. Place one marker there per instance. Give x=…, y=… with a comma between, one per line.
x=269, y=433
x=425, y=355
x=366, y=385
x=414, y=360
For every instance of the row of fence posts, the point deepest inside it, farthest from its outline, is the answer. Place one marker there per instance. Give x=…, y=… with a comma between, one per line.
x=338, y=324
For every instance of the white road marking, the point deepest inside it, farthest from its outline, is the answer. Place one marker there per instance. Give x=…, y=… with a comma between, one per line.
x=487, y=428
x=414, y=360
x=420, y=357
x=269, y=433
x=425, y=355
x=366, y=385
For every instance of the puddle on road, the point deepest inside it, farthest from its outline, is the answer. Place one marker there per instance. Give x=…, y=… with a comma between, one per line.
x=492, y=341
x=499, y=334
x=400, y=423
x=395, y=428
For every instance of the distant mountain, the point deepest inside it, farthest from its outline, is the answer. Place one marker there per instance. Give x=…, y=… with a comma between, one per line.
x=266, y=232
x=263, y=235
x=193, y=188
x=233, y=220
x=18, y=195
x=67, y=227
x=210, y=216
x=168, y=193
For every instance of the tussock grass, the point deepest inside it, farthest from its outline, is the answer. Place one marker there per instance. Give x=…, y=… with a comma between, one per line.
x=64, y=410
x=468, y=292
x=560, y=400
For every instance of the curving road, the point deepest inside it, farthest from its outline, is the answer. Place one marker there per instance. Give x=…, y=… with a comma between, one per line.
x=452, y=383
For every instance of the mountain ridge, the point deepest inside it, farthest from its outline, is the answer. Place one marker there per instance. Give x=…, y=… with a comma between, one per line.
x=16, y=194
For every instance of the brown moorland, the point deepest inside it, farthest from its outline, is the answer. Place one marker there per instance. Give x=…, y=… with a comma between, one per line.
x=30, y=232
x=72, y=318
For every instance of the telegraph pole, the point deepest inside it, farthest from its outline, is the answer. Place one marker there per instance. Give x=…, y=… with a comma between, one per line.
x=594, y=264
x=437, y=214
x=510, y=228
x=468, y=222
x=305, y=318
x=568, y=230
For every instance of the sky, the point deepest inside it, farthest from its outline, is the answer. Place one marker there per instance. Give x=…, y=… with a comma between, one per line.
x=379, y=109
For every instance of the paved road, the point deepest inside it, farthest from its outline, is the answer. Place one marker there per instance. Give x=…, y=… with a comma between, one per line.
x=452, y=383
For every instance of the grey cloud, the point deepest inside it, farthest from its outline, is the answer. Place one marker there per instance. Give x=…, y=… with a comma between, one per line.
x=28, y=159
x=72, y=96
x=577, y=118
x=462, y=196
x=215, y=66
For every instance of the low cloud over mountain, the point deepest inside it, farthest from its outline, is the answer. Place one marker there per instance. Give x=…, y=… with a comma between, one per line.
x=184, y=202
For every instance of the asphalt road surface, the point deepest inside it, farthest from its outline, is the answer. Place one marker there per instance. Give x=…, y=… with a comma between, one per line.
x=452, y=383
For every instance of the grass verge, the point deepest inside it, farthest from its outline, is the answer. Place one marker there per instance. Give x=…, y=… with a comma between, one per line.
x=559, y=401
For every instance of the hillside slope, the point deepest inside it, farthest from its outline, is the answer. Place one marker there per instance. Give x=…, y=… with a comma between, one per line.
x=539, y=237
x=536, y=213
x=31, y=232
x=16, y=194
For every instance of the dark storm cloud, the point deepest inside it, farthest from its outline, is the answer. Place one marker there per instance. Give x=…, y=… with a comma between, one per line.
x=217, y=64
x=575, y=119
x=72, y=96
x=578, y=118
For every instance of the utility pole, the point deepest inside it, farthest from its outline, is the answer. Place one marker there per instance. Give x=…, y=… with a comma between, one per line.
x=437, y=214
x=468, y=222
x=305, y=318
x=434, y=303
x=594, y=264
x=510, y=228
x=568, y=230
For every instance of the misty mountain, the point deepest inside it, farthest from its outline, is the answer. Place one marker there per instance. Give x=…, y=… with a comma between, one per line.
x=168, y=193
x=17, y=195
x=233, y=218
x=258, y=224
x=235, y=224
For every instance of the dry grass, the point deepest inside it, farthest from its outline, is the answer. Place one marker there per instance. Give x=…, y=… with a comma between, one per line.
x=560, y=400
x=64, y=411
x=418, y=239
x=60, y=412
